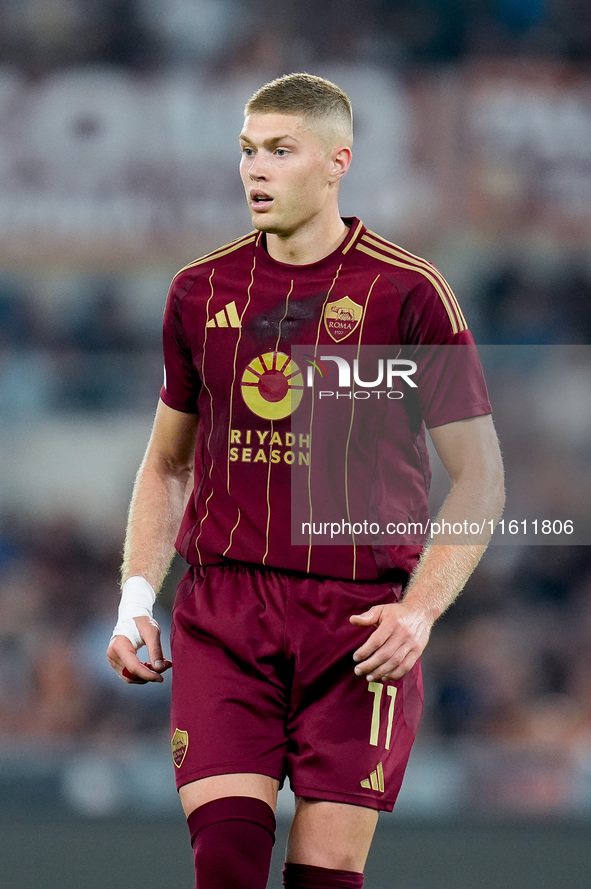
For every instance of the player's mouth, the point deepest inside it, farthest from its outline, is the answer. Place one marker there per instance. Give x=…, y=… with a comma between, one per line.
x=260, y=200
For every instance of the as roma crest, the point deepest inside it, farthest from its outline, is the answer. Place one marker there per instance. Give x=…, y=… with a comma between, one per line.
x=179, y=746
x=342, y=317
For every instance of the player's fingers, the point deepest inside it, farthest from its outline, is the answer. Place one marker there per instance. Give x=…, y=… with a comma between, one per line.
x=124, y=660
x=150, y=633
x=388, y=631
x=140, y=673
x=367, y=618
x=404, y=667
x=385, y=659
x=375, y=642
x=370, y=664
x=131, y=678
x=120, y=651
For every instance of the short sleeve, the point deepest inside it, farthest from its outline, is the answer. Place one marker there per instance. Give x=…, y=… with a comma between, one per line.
x=182, y=384
x=430, y=311
x=450, y=380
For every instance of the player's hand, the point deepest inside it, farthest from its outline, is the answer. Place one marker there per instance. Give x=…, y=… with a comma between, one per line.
x=396, y=644
x=124, y=660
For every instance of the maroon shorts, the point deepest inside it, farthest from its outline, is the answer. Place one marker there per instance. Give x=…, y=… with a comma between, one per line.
x=264, y=682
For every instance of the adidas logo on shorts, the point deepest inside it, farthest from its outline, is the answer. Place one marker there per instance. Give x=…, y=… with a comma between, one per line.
x=375, y=780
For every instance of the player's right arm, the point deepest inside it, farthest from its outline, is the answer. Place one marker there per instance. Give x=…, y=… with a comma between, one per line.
x=162, y=487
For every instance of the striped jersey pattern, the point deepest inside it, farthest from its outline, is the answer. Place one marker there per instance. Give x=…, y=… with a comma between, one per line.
x=243, y=336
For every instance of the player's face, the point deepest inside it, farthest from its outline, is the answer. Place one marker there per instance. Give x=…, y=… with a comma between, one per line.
x=287, y=172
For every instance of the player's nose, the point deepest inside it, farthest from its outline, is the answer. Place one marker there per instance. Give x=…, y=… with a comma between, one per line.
x=257, y=169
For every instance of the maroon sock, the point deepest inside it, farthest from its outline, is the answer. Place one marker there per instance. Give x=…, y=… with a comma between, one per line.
x=232, y=841
x=307, y=876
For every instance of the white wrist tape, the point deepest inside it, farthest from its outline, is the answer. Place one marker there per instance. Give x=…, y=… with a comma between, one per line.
x=137, y=600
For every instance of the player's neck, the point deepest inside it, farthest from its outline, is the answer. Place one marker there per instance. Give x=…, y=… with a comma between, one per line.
x=308, y=245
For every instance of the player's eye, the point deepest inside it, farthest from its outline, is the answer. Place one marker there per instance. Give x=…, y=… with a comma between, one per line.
x=246, y=151
x=281, y=152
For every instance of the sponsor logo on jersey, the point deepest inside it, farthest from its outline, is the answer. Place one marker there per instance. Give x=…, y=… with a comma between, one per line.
x=226, y=317
x=342, y=317
x=272, y=386
x=179, y=746
x=262, y=446
x=375, y=780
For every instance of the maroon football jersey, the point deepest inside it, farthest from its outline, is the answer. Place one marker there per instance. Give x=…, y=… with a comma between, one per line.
x=244, y=337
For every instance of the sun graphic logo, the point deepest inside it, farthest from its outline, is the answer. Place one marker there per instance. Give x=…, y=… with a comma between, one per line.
x=272, y=386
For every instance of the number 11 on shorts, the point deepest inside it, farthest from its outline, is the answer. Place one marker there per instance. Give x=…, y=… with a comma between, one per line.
x=377, y=688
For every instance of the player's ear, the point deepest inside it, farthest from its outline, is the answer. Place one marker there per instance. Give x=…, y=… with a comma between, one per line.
x=341, y=160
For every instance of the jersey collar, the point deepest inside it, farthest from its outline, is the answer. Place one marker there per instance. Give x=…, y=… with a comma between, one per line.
x=356, y=229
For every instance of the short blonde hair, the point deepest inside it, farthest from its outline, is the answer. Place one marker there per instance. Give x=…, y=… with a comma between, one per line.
x=312, y=97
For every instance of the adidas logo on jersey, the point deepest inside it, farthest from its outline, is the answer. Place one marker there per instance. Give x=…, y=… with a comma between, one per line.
x=226, y=317
x=375, y=780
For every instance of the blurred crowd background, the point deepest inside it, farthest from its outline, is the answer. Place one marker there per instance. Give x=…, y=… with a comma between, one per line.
x=226, y=35
x=118, y=160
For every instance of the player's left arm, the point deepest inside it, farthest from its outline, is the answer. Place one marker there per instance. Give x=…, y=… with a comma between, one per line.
x=469, y=450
